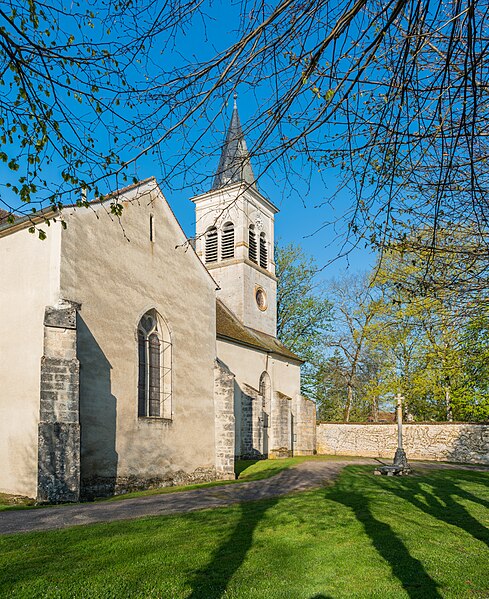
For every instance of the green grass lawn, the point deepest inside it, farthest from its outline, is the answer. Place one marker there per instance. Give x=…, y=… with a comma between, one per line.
x=366, y=536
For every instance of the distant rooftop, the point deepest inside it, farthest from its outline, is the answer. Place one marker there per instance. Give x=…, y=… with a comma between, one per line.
x=4, y=215
x=234, y=164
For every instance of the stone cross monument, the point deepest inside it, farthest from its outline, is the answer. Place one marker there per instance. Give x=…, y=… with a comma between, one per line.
x=400, y=465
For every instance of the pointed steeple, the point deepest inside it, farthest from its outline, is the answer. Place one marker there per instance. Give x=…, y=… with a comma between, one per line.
x=234, y=164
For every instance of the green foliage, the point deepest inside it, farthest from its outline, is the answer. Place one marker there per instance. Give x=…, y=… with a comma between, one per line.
x=471, y=399
x=303, y=311
x=408, y=329
x=435, y=350
x=331, y=388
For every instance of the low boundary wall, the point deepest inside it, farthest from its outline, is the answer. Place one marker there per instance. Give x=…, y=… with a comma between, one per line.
x=450, y=441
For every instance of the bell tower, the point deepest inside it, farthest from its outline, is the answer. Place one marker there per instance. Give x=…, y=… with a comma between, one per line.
x=235, y=235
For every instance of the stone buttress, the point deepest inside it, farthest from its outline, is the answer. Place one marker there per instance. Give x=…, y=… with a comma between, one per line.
x=225, y=420
x=59, y=419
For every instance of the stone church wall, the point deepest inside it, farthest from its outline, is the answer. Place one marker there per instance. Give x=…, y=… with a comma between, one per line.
x=30, y=282
x=249, y=423
x=118, y=271
x=249, y=365
x=225, y=421
x=454, y=442
x=304, y=426
x=281, y=426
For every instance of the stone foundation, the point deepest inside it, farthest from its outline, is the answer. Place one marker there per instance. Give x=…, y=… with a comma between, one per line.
x=280, y=452
x=106, y=487
x=453, y=442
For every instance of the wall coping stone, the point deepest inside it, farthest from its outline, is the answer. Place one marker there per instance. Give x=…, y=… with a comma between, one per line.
x=61, y=316
x=417, y=423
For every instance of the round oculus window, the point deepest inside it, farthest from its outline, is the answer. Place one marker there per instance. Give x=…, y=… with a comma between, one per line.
x=261, y=299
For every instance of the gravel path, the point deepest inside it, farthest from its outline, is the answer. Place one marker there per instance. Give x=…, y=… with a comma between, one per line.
x=302, y=477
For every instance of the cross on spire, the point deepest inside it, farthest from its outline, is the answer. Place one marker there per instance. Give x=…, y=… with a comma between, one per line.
x=234, y=164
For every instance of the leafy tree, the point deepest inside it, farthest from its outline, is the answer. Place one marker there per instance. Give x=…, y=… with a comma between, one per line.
x=354, y=312
x=471, y=399
x=423, y=331
x=303, y=312
x=331, y=376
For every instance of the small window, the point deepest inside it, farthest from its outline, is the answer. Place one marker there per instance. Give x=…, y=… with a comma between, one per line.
x=211, y=245
x=252, y=248
x=155, y=368
x=151, y=228
x=227, y=241
x=263, y=251
x=261, y=299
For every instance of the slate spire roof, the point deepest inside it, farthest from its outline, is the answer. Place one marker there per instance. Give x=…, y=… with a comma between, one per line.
x=234, y=164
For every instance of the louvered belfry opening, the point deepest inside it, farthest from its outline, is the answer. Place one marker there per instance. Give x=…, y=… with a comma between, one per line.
x=227, y=241
x=263, y=251
x=252, y=247
x=211, y=245
x=154, y=367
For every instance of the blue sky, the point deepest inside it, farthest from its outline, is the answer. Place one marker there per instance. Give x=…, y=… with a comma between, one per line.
x=302, y=197
x=301, y=217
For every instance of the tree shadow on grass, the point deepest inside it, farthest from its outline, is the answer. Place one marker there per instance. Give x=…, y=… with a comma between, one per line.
x=436, y=495
x=212, y=581
x=408, y=570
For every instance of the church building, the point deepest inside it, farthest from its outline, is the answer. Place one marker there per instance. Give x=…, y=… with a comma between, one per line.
x=132, y=358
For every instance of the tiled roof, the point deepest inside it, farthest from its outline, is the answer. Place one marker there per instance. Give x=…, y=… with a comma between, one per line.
x=228, y=326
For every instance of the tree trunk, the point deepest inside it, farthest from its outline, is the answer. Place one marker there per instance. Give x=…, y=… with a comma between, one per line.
x=375, y=409
x=448, y=404
x=349, y=400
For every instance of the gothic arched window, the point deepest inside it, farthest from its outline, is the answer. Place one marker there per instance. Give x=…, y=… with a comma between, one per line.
x=227, y=241
x=252, y=248
x=155, y=368
x=265, y=388
x=263, y=251
x=211, y=245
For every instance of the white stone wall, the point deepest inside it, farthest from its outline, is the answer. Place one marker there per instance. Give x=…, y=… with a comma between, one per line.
x=248, y=365
x=238, y=282
x=30, y=282
x=455, y=442
x=238, y=277
x=117, y=274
